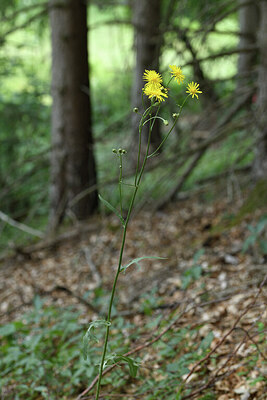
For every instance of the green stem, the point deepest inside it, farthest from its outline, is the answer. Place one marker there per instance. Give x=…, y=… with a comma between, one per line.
x=171, y=129
x=119, y=266
x=141, y=124
x=120, y=182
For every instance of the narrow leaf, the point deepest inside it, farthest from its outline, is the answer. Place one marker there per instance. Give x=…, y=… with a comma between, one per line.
x=90, y=336
x=206, y=342
x=136, y=261
x=111, y=208
x=132, y=364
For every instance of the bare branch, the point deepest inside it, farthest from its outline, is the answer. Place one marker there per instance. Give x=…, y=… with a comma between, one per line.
x=224, y=54
x=16, y=13
x=24, y=24
x=31, y=231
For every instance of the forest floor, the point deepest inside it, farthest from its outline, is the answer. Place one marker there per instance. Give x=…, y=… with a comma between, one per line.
x=206, y=278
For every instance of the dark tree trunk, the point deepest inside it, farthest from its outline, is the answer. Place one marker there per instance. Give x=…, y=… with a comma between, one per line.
x=72, y=160
x=146, y=21
x=260, y=166
x=249, y=24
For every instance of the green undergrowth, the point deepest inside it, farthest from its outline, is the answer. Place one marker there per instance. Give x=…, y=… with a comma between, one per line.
x=42, y=357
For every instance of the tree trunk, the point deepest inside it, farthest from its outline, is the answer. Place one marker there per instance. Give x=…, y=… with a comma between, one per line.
x=249, y=23
x=260, y=165
x=72, y=160
x=146, y=21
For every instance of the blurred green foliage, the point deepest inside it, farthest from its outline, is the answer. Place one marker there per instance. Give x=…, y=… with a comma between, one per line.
x=25, y=104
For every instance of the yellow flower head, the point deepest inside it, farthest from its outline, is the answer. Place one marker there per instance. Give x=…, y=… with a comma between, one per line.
x=193, y=89
x=177, y=73
x=152, y=77
x=155, y=91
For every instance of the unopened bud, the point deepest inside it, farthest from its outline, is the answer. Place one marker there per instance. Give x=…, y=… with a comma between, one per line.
x=175, y=115
x=124, y=151
x=114, y=151
x=120, y=151
x=166, y=122
x=135, y=110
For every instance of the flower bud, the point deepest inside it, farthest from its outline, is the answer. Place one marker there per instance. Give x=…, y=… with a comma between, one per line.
x=120, y=151
x=124, y=151
x=175, y=115
x=166, y=122
x=135, y=110
x=114, y=151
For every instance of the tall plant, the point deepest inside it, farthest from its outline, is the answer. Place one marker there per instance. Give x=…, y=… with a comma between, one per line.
x=157, y=92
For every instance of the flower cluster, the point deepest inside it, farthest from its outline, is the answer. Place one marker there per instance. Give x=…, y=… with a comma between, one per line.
x=155, y=90
x=153, y=87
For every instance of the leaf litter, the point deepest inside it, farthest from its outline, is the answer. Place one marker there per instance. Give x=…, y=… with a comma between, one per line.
x=220, y=283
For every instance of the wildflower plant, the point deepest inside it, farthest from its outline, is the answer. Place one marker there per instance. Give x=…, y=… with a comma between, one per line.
x=157, y=93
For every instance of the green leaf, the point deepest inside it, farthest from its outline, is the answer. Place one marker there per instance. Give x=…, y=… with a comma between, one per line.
x=38, y=303
x=206, y=342
x=263, y=246
x=7, y=330
x=261, y=225
x=89, y=336
x=198, y=254
x=136, y=261
x=250, y=241
x=111, y=208
x=40, y=389
x=178, y=368
x=133, y=365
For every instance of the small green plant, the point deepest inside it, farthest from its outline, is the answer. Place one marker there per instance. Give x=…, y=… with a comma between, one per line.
x=157, y=93
x=257, y=239
x=40, y=355
x=193, y=273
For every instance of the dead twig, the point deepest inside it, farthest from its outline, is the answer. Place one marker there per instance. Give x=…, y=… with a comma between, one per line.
x=18, y=225
x=224, y=337
x=42, y=292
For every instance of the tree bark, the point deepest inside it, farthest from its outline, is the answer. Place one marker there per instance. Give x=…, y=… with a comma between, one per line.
x=72, y=159
x=249, y=23
x=260, y=165
x=146, y=21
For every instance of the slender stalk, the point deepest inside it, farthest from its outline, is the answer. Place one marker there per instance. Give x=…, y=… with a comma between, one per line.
x=141, y=124
x=120, y=182
x=171, y=129
x=120, y=263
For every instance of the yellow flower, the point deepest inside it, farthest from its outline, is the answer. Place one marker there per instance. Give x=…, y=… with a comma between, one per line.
x=152, y=77
x=155, y=91
x=177, y=73
x=193, y=89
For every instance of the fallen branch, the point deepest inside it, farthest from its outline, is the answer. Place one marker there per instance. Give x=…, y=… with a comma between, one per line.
x=42, y=292
x=31, y=231
x=69, y=292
